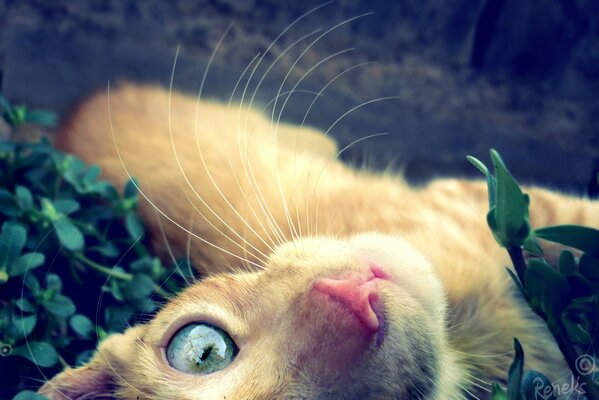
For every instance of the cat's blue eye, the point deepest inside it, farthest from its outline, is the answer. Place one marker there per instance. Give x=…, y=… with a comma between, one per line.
x=200, y=349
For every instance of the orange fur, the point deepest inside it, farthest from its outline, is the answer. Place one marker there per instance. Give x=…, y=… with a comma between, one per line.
x=274, y=200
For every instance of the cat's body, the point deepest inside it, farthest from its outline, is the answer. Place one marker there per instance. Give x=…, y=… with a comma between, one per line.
x=426, y=311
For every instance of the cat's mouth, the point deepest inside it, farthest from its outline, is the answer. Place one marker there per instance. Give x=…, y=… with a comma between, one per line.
x=359, y=293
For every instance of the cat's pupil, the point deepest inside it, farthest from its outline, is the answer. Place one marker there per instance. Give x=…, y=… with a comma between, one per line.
x=206, y=353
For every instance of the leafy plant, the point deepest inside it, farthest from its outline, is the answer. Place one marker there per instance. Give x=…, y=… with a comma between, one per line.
x=565, y=295
x=64, y=231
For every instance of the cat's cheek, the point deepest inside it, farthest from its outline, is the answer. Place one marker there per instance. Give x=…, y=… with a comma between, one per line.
x=75, y=383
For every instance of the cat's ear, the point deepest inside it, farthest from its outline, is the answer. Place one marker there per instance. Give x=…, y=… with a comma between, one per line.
x=101, y=375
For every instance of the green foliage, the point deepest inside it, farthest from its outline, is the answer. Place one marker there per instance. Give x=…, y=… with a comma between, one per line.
x=64, y=232
x=565, y=295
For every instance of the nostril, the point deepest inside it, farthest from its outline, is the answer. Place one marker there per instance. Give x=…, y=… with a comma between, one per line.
x=358, y=291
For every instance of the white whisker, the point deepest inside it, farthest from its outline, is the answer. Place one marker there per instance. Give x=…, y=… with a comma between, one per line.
x=152, y=204
x=345, y=114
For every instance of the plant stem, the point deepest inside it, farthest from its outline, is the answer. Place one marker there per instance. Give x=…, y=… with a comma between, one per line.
x=558, y=331
x=111, y=272
x=518, y=262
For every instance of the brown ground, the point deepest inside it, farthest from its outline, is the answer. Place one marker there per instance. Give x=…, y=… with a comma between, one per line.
x=520, y=76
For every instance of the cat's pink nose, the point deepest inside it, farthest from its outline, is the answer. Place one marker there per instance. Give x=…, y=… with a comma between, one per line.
x=358, y=291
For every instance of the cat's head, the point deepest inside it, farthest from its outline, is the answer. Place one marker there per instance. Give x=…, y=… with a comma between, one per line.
x=325, y=318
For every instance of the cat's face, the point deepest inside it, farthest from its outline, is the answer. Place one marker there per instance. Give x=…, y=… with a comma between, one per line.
x=324, y=319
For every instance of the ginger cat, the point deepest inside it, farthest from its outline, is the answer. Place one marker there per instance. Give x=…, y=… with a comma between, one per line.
x=320, y=281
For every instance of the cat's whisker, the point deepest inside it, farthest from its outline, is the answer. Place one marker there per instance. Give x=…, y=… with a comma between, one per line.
x=283, y=32
x=323, y=169
x=477, y=378
x=322, y=35
x=286, y=93
x=365, y=103
x=301, y=79
x=469, y=393
x=329, y=83
x=168, y=247
x=149, y=200
x=184, y=174
x=478, y=385
x=197, y=128
x=196, y=120
x=293, y=90
x=309, y=199
x=245, y=160
x=253, y=182
x=222, y=195
x=484, y=355
x=188, y=256
x=274, y=62
x=305, y=50
x=360, y=140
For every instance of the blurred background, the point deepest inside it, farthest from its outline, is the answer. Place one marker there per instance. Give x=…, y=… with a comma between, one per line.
x=443, y=79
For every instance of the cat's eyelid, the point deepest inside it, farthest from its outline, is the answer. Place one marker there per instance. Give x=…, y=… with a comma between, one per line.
x=215, y=317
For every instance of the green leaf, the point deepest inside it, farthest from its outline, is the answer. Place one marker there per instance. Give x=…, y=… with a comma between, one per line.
x=91, y=175
x=131, y=189
x=25, y=325
x=139, y=288
x=579, y=286
x=490, y=178
x=567, y=263
x=589, y=267
x=516, y=281
x=81, y=325
x=515, y=373
x=536, y=386
x=32, y=284
x=24, y=197
x=9, y=205
x=134, y=226
x=40, y=353
x=531, y=246
x=68, y=234
x=511, y=215
x=26, y=262
x=49, y=211
x=38, y=117
x=12, y=241
x=3, y=276
x=115, y=289
x=547, y=290
x=84, y=357
x=29, y=395
x=117, y=317
x=66, y=206
x=24, y=305
x=576, y=329
x=143, y=264
x=580, y=237
x=498, y=393
x=107, y=249
x=60, y=305
x=54, y=283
